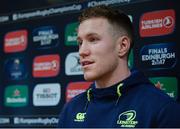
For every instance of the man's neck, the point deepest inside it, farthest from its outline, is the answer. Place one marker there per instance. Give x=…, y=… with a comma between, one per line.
x=112, y=79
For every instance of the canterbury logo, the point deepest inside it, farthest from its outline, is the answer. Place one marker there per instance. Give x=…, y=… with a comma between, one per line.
x=80, y=117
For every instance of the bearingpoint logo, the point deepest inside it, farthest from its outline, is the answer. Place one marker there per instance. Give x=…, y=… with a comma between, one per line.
x=15, y=41
x=46, y=66
x=157, y=23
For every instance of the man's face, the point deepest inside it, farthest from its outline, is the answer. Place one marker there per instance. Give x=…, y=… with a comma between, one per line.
x=97, y=49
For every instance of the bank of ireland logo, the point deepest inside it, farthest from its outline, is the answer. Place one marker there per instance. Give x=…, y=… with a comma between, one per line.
x=71, y=34
x=168, y=84
x=16, y=96
x=127, y=119
x=72, y=64
x=80, y=117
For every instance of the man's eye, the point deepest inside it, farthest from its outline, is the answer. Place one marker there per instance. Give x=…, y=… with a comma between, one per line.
x=79, y=43
x=93, y=39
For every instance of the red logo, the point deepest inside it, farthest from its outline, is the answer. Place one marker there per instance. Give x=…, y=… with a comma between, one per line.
x=15, y=41
x=76, y=88
x=46, y=66
x=157, y=23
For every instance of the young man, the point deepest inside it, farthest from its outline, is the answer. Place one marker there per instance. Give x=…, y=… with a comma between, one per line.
x=118, y=97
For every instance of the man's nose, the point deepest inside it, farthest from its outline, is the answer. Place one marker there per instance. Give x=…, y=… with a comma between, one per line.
x=84, y=50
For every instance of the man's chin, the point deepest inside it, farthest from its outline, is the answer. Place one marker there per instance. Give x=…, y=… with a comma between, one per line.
x=89, y=78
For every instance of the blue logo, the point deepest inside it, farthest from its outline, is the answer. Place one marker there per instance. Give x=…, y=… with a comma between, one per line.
x=45, y=37
x=158, y=56
x=15, y=69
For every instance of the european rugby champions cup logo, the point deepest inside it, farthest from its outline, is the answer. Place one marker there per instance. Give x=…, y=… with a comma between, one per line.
x=127, y=119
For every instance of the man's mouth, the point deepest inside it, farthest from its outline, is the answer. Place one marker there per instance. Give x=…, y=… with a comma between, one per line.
x=86, y=63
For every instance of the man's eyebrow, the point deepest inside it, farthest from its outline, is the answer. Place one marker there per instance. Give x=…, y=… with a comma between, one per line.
x=87, y=35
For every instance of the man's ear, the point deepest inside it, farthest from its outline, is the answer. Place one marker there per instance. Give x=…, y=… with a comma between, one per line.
x=124, y=44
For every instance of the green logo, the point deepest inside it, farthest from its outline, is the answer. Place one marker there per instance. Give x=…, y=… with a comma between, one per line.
x=167, y=84
x=16, y=96
x=80, y=117
x=127, y=119
x=130, y=59
x=71, y=34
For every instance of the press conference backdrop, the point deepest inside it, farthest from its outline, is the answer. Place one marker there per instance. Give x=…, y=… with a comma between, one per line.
x=39, y=60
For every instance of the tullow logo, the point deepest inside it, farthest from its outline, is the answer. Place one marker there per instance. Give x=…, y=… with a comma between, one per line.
x=16, y=96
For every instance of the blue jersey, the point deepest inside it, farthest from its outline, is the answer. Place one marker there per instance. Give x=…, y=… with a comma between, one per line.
x=133, y=102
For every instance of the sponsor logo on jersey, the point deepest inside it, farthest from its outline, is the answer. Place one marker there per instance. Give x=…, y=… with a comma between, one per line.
x=127, y=119
x=16, y=96
x=45, y=37
x=46, y=94
x=15, y=41
x=75, y=88
x=46, y=66
x=80, y=117
x=72, y=64
x=157, y=23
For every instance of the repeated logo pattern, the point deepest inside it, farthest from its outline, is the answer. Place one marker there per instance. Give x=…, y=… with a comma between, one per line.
x=41, y=68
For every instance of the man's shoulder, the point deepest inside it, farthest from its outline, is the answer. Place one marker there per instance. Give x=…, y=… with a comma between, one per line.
x=78, y=99
x=153, y=94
